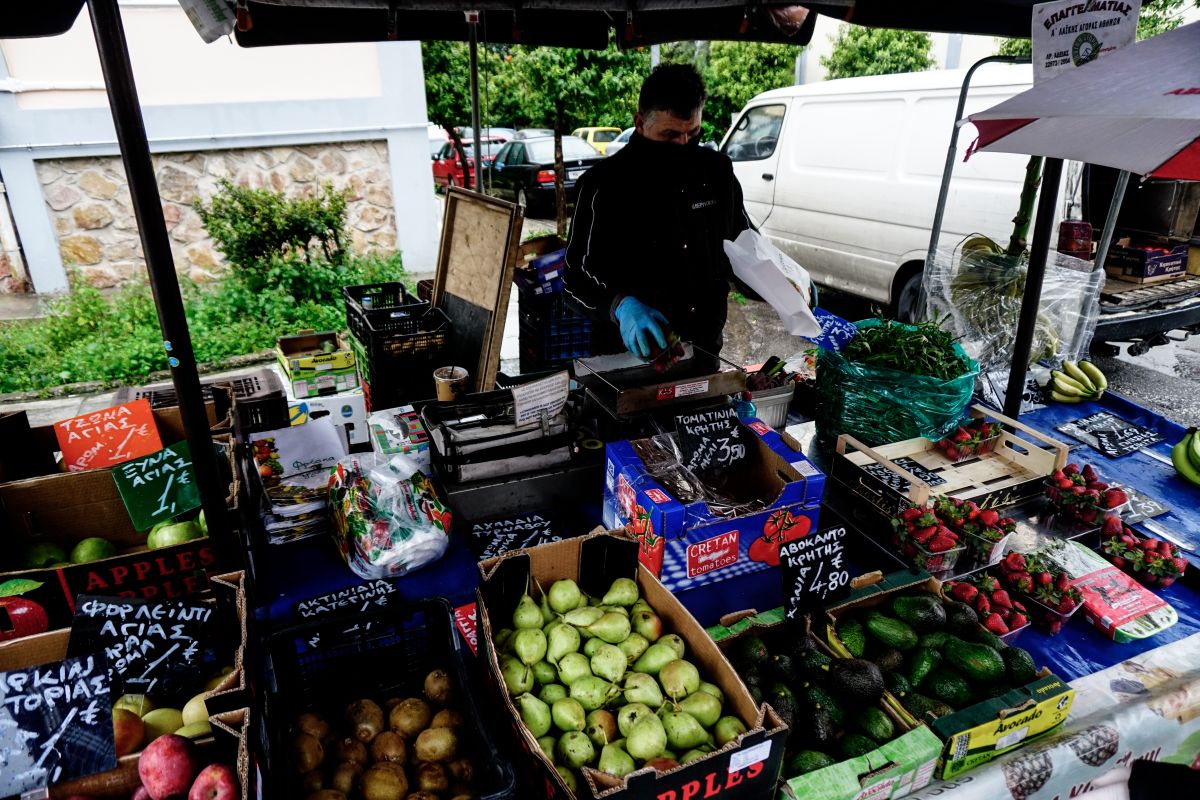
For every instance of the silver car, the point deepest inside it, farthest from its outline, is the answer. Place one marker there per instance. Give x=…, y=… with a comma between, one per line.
x=619, y=142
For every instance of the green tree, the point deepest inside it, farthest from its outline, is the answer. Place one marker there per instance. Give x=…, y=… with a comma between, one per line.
x=595, y=87
x=447, y=82
x=876, y=51
x=736, y=72
x=1020, y=48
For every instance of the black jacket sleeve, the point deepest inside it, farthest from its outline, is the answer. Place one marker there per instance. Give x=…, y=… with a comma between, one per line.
x=593, y=277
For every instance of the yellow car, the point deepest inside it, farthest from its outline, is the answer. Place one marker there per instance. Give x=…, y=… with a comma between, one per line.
x=597, y=137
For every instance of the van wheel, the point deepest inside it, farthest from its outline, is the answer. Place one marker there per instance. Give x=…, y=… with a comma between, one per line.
x=910, y=300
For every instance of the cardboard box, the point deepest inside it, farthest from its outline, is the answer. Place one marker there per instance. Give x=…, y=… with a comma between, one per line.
x=347, y=409
x=686, y=545
x=310, y=372
x=745, y=768
x=893, y=770
x=1138, y=265
x=980, y=732
x=1193, y=260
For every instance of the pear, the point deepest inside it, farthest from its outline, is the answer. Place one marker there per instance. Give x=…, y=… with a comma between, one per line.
x=591, y=646
x=601, y=726
x=544, y=673
x=551, y=625
x=551, y=692
x=624, y=612
x=609, y=662
x=501, y=638
x=568, y=779
x=611, y=627
x=642, y=688
x=623, y=592
x=629, y=715
x=568, y=714
x=713, y=689
x=647, y=739
x=530, y=645
x=547, y=744
x=679, y=678
x=591, y=692
x=575, y=750
x=615, y=761
x=548, y=614
x=564, y=596
x=518, y=678
x=634, y=645
x=640, y=605
x=683, y=730
x=560, y=641
x=703, y=706
x=572, y=667
x=582, y=617
x=534, y=713
x=674, y=642
x=648, y=624
x=727, y=729
x=654, y=659
x=695, y=754
x=527, y=614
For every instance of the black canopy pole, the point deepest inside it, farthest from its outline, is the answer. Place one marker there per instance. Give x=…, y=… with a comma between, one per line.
x=473, y=28
x=1039, y=252
x=147, y=208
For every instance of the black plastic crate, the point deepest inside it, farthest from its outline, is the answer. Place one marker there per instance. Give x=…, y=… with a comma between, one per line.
x=395, y=379
x=322, y=665
x=381, y=308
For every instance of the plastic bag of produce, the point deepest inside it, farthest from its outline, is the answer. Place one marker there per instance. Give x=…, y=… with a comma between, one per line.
x=388, y=520
x=862, y=391
x=978, y=292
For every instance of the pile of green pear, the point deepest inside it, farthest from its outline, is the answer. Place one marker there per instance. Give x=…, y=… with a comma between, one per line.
x=599, y=685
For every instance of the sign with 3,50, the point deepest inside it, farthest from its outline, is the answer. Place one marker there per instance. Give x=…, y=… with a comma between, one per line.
x=159, y=486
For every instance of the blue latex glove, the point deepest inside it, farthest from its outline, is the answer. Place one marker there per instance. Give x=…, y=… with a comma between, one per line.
x=641, y=326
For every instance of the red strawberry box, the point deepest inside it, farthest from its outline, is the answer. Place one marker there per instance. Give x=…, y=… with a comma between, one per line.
x=687, y=543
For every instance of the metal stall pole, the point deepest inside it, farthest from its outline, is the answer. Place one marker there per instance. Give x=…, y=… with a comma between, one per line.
x=1038, y=254
x=1110, y=222
x=147, y=208
x=473, y=44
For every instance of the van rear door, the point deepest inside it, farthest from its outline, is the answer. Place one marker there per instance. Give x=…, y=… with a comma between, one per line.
x=753, y=146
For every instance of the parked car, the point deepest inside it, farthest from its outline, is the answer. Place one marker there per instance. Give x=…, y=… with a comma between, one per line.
x=437, y=138
x=487, y=132
x=523, y=171
x=448, y=171
x=618, y=144
x=533, y=133
x=597, y=137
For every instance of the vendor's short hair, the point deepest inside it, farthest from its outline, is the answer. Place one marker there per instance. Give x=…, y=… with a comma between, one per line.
x=677, y=88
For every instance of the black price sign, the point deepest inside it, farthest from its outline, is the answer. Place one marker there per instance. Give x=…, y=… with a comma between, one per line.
x=711, y=439
x=1142, y=507
x=496, y=537
x=1112, y=435
x=152, y=646
x=55, y=724
x=814, y=571
x=355, y=599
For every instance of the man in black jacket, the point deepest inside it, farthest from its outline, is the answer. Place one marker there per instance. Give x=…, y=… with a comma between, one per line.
x=645, y=254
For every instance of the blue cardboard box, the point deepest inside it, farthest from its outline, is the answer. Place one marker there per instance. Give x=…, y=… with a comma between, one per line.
x=687, y=545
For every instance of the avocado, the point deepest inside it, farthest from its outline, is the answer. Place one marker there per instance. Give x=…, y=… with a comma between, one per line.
x=982, y=635
x=949, y=687
x=854, y=745
x=922, y=612
x=784, y=667
x=750, y=650
x=851, y=632
x=784, y=702
x=921, y=706
x=889, y=659
x=934, y=640
x=896, y=683
x=812, y=664
x=977, y=662
x=807, y=761
x=818, y=729
x=814, y=696
x=922, y=662
x=891, y=632
x=961, y=618
x=1018, y=666
x=754, y=684
x=875, y=723
x=857, y=681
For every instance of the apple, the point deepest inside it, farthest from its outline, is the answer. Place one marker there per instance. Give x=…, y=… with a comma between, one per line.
x=141, y=794
x=42, y=555
x=216, y=679
x=194, y=710
x=196, y=730
x=128, y=731
x=162, y=721
x=20, y=616
x=215, y=782
x=92, y=548
x=139, y=704
x=174, y=533
x=202, y=523
x=167, y=766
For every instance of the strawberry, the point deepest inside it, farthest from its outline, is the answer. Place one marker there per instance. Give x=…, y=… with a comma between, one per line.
x=1089, y=473
x=1128, y=539
x=973, y=510
x=1064, y=484
x=1115, y=497
x=1054, y=627
x=923, y=535
x=1166, y=581
x=1062, y=582
x=1111, y=526
x=982, y=606
x=926, y=519
x=1023, y=583
x=1099, y=486
x=996, y=625
x=1079, y=491
x=1066, y=605
x=1018, y=606
x=1004, y=613
x=1149, y=545
x=1071, y=469
x=961, y=435
x=1017, y=620
x=964, y=592
x=1058, y=475
x=1000, y=598
x=1180, y=564
x=1043, y=578
x=1117, y=562
x=1015, y=562
x=953, y=453
x=989, y=517
x=940, y=544
x=987, y=583
x=911, y=513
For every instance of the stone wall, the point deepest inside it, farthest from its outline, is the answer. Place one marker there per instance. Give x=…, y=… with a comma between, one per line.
x=88, y=199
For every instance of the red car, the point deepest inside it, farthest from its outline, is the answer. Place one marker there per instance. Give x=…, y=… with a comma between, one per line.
x=448, y=171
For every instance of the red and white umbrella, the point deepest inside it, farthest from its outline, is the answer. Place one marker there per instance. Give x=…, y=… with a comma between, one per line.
x=1137, y=109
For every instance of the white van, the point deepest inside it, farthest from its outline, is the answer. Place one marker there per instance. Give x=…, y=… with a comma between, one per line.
x=844, y=175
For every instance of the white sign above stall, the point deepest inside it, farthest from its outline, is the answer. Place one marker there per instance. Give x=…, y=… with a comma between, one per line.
x=1069, y=33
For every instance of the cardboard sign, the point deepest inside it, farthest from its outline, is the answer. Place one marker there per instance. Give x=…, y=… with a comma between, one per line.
x=355, y=599
x=814, y=571
x=1068, y=33
x=159, y=486
x=108, y=437
x=55, y=724
x=711, y=439
x=1112, y=435
x=547, y=395
x=152, y=647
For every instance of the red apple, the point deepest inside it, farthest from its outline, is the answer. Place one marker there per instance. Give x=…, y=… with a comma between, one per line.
x=167, y=766
x=25, y=617
x=141, y=794
x=215, y=782
x=128, y=731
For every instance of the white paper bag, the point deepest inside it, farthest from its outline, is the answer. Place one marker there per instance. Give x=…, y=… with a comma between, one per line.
x=776, y=278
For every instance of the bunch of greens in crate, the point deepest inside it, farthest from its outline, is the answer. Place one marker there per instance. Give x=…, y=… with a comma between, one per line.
x=922, y=348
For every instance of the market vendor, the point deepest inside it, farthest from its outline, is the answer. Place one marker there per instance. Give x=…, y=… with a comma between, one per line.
x=645, y=256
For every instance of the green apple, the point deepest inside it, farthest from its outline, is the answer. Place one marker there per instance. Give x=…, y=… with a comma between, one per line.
x=42, y=555
x=139, y=704
x=173, y=533
x=197, y=730
x=216, y=679
x=92, y=548
x=194, y=710
x=202, y=522
x=162, y=721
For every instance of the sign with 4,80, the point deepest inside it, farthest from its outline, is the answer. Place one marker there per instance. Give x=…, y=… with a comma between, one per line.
x=159, y=486
x=814, y=571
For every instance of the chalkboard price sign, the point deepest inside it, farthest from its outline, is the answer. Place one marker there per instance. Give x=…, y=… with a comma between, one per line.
x=711, y=439
x=159, y=486
x=814, y=571
x=356, y=599
x=55, y=724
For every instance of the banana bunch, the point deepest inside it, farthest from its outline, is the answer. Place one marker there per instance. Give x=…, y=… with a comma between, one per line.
x=1076, y=382
x=1185, y=455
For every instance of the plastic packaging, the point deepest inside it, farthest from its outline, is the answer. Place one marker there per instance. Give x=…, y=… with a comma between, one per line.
x=388, y=520
x=981, y=297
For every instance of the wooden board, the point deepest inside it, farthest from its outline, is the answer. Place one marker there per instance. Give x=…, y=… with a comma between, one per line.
x=478, y=253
